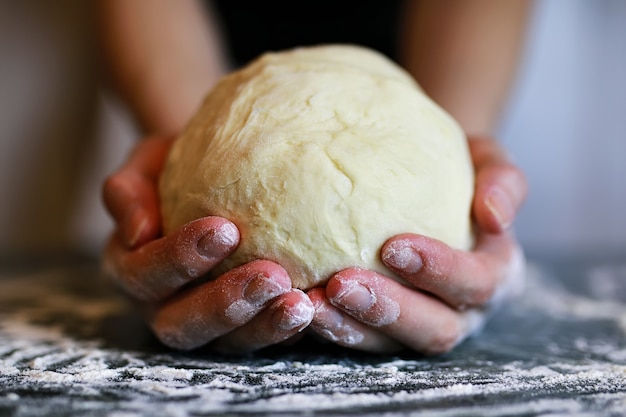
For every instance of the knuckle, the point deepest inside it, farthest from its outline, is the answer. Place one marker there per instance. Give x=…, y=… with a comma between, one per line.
x=513, y=178
x=514, y=172
x=442, y=265
x=138, y=290
x=476, y=297
x=115, y=268
x=173, y=339
x=112, y=184
x=176, y=330
x=132, y=283
x=117, y=193
x=444, y=339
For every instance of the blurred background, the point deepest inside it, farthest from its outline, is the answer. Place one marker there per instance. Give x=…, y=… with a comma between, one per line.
x=61, y=133
x=566, y=128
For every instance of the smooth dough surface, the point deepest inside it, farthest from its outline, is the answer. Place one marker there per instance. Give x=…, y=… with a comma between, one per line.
x=319, y=155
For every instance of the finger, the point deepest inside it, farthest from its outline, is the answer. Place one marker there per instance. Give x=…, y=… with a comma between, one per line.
x=201, y=314
x=288, y=315
x=338, y=327
x=161, y=267
x=501, y=187
x=461, y=278
x=131, y=194
x=413, y=318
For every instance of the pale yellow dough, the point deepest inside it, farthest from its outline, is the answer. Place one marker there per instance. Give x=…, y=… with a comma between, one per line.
x=319, y=155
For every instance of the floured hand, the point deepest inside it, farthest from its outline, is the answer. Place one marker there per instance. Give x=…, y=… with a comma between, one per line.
x=245, y=309
x=449, y=292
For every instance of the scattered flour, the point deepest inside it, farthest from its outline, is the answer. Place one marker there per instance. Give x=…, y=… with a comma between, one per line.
x=550, y=297
x=46, y=357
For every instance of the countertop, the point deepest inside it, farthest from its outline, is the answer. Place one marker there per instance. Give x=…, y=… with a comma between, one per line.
x=71, y=345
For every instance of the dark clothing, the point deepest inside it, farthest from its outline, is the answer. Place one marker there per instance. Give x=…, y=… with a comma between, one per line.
x=254, y=27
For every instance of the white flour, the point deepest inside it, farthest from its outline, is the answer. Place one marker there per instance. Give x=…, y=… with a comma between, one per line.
x=49, y=358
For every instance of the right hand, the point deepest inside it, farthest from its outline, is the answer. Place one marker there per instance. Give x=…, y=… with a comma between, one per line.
x=245, y=309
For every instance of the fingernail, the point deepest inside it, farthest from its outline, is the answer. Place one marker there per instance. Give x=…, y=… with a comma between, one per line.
x=402, y=256
x=500, y=206
x=261, y=289
x=355, y=297
x=218, y=242
x=294, y=316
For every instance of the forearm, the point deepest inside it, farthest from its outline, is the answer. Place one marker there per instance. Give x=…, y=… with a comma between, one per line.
x=163, y=56
x=464, y=54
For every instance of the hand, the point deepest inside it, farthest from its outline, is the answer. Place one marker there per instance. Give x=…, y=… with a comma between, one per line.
x=245, y=309
x=449, y=292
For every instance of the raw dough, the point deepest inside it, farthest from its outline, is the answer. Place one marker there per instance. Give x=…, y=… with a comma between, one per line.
x=319, y=155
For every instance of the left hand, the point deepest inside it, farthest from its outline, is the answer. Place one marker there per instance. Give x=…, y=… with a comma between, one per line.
x=449, y=292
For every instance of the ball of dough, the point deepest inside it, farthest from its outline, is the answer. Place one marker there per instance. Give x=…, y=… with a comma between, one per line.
x=319, y=155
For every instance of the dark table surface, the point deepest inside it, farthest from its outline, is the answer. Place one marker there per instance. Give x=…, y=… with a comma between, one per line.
x=71, y=345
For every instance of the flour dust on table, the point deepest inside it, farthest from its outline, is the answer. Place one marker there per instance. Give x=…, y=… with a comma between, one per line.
x=71, y=345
